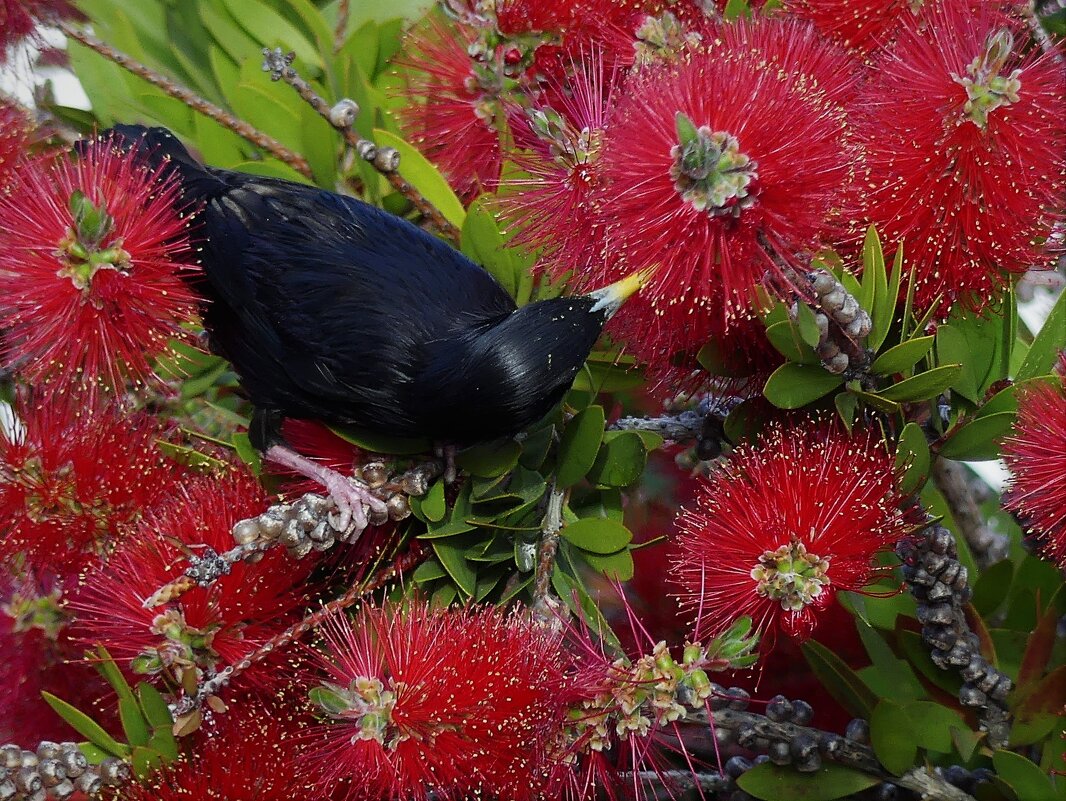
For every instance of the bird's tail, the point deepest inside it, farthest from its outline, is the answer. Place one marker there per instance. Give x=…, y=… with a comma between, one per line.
x=159, y=148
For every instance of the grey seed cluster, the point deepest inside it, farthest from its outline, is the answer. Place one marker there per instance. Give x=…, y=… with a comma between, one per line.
x=838, y=353
x=305, y=525
x=939, y=583
x=55, y=770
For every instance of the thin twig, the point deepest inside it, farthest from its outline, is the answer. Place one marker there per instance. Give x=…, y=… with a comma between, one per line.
x=986, y=546
x=191, y=99
x=342, y=117
x=415, y=556
x=549, y=543
x=1040, y=34
x=339, y=32
x=680, y=428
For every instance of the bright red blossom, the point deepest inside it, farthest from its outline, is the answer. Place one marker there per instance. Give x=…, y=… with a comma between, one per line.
x=863, y=25
x=425, y=702
x=92, y=256
x=20, y=18
x=1036, y=456
x=209, y=627
x=965, y=131
x=699, y=170
x=783, y=525
x=14, y=126
x=75, y=481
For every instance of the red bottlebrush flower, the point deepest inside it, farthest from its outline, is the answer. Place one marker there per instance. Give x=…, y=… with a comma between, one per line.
x=207, y=627
x=37, y=657
x=20, y=18
x=453, y=116
x=91, y=269
x=251, y=755
x=785, y=523
x=699, y=168
x=74, y=481
x=562, y=145
x=14, y=125
x=965, y=139
x=439, y=703
x=1036, y=456
x=863, y=25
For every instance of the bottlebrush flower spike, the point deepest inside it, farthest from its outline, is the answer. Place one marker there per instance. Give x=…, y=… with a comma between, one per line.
x=863, y=25
x=19, y=20
x=250, y=755
x=966, y=142
x=783, y=525
x=1036, y=456
x=455, y=106
x=92, y=257
x=14, y=126
x=208, y=627
x=445, y=703
x=698, y=169
x=75, y=481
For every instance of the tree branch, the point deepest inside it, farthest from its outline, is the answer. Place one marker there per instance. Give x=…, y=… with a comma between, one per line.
x=549, y=544
x=951, y=479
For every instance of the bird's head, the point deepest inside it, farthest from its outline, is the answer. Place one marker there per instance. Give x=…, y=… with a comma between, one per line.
x=506, y=375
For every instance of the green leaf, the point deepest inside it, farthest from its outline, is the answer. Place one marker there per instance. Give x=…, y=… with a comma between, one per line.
x=874, y=278
x=374, y=442
x=991, y=588
x=1046, y=344
x=953, y=346
x=902, y=357
x=846, y=404
x=482, y=242
x=430, y=570
x=489, y=459
x=597, y=535
x=246, y=452
x=270, y=29
x=1006, y=400
x=133, y=723
x=716, y=362
x=432, y=505
x=932, y=722
x=156, y=711
x=579, y=446
x=620, y=460
x=912, y=451
x=1026, y=779
x=892, y=737
x=615, y=566
x=924, y=385
x=424, y=177
x=329, y=700
x=452, y=556
x=794, y=385
x=786, y=339
x=107, y=668
x=86, y=726
x=885, y=305
x=841, y=681
x=735, y=9
x=876, y=401
x=978, y=440
x=145, y=761
x=807, y=325
x=93, y=754
x=772, y=782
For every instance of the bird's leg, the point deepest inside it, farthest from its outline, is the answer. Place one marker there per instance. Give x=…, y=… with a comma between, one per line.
x=447, y=454
x=349, y=496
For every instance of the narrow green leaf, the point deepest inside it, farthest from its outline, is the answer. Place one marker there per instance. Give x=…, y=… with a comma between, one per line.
x=924, y=385
x=771, y=782
x=978, y=440
x=912, y=454
x=885, y=305
x=107, y=668
x=155, y=708
x=1046, y=344
x=452, y=556
x=846, y=404
x=489, y=459
x=86, y=726
x=841, y=681
x=892, y=737
x=931, y=723
x=786, y=339
x=134, y=725
x=374, y=442
x=1026, y=779
x=242, y=444
x=735, y=9
x=794, y=385
x=579, y=446
x=615, y=566
x=953, y=346
x=432, y=504
x=620, y=460
x=876, y=401
x=807, y=325
x=424, y=177
x=597, y=535
x=874, y=279
x=145, y=761
x=902, y=356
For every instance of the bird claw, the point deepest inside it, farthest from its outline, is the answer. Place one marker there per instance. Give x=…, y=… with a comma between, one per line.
x=352, y=502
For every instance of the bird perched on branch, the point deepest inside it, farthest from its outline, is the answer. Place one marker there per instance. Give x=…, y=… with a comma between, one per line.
x=334, y=310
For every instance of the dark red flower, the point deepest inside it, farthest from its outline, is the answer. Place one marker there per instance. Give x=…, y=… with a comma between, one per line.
x=251, y=754
x=455, y=109
x=425, y=702
x=75, y=481
x=14, y=126
x=207, y=627
x=1036, y=455
x=92, y=257
x=700, y=172
x=965, y=132
x=37, y=657
x=20, y=18
x=863, y=25
x=783, y=524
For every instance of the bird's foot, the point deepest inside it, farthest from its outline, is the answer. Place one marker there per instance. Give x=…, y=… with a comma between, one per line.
x=352, y=499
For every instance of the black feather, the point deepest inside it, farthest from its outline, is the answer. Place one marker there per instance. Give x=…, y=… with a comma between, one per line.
x=332, y=309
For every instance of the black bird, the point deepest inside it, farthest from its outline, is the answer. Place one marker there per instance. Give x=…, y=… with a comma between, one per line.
x=334, y=310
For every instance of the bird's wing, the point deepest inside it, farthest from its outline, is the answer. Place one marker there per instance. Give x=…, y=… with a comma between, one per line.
x=325, y=304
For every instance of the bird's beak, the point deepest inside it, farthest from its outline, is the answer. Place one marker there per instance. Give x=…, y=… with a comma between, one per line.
x=610, y=298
